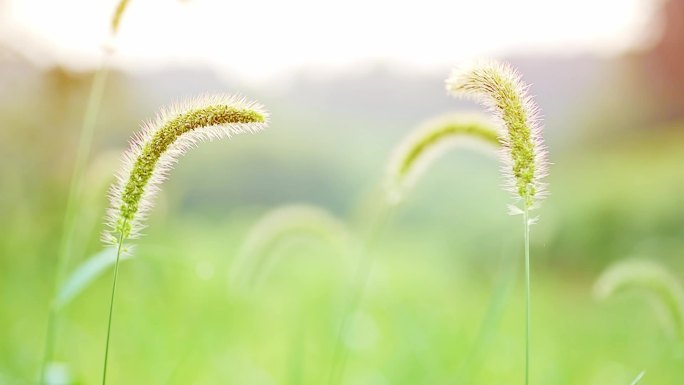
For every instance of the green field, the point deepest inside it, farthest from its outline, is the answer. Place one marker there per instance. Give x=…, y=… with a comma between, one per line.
x=444, y=301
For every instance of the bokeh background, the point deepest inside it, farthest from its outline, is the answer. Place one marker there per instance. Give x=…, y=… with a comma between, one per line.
x=344, y=82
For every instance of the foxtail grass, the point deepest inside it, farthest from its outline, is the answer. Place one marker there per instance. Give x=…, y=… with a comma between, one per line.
x=151, y=156
x=649, y=278
x=409, y=160
x=271, y=232
x=500, y=88
x=274, y=229
x=428, y=142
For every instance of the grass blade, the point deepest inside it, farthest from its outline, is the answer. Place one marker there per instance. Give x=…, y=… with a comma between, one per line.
x=638, y=378
x=84, y=275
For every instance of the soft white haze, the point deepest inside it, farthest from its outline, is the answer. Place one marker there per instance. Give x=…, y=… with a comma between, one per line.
x=264, y=38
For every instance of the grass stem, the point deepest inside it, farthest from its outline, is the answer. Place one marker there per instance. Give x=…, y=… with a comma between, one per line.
x=111, y=308
x=638, y=378
x=69, y=221
x=360, y=282
x=527, y=294
x=508, y=270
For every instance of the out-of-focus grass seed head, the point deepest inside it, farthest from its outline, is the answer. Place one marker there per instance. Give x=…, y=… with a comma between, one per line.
x=432, y=139
x=651, y=278
x=279, y=225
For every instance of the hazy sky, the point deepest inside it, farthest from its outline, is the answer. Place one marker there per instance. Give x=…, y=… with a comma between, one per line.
x=263, y=38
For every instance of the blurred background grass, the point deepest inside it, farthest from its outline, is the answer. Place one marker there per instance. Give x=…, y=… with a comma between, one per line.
x=615, y=128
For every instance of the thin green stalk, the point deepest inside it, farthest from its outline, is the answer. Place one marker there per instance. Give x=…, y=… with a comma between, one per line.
x=507, y=277
x=111, y=307
x=82, y=153
x=69, y=220
x=295, y=371
x=49, y=343
x=359, y=286
x=500, y=88
x=360, y=283
x=527, y=294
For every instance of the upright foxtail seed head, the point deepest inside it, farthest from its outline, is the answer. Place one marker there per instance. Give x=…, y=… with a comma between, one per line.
x=501, y=89
x=427, y=143
x=648, y=277
x=156, y=148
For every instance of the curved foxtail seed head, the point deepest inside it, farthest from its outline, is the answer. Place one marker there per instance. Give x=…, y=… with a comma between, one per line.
x=432, y=139
x=156, y=148
x=278, y=226
x=648, y=277
x=501, y=89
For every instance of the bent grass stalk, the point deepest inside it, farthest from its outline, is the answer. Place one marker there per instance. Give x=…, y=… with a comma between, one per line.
x=662, y=288
x=153, y=153
x=277, y=226
x=500, y=88
x=93, y=104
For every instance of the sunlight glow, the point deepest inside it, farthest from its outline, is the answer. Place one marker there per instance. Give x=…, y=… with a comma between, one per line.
x=262, y=38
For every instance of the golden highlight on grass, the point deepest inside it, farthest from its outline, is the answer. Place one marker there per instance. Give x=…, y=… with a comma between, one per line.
x=274, y=229
x=155, y=150
x=501, y=89
x=662, y=288
x=118, y=14
x=427, y=143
